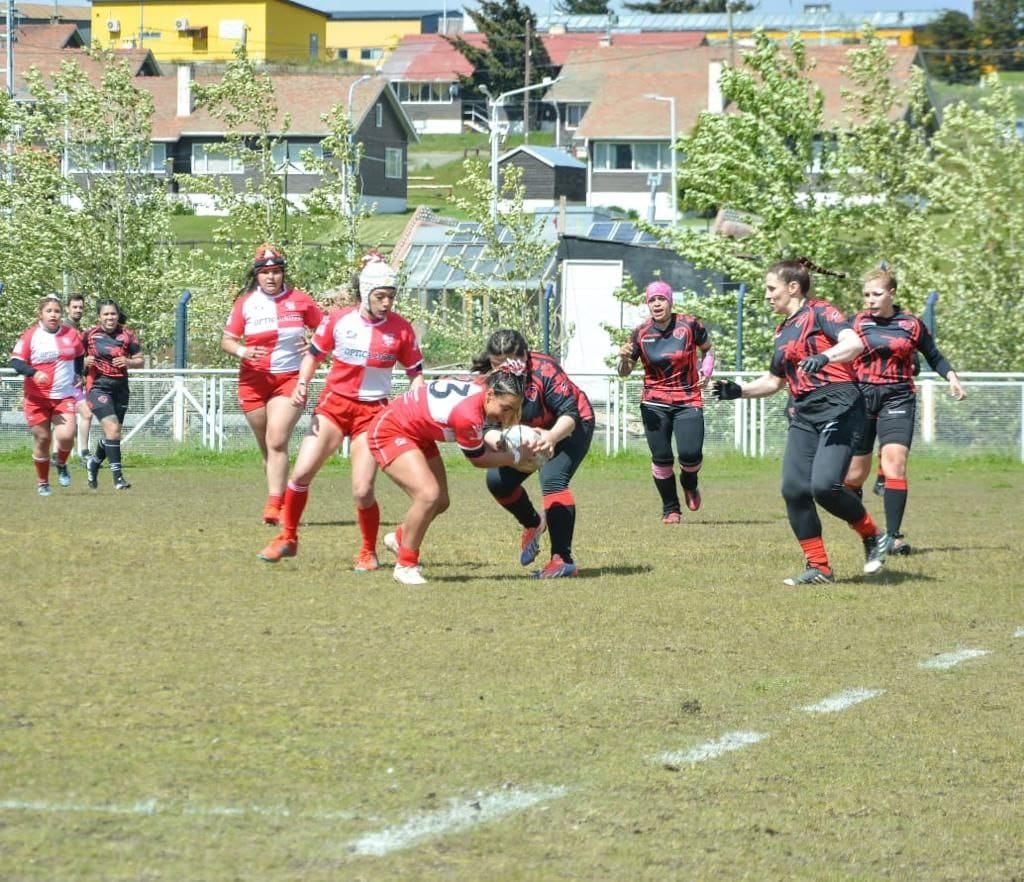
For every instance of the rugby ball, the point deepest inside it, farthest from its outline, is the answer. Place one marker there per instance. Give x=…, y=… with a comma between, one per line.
x=515, y=437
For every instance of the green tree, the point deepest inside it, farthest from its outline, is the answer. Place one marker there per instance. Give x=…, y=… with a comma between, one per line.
x=501, y=63
x=999, y=31
x=582, y=7
x=82, y=209
x=677, y=7
x=947, y=45
x=976, y=201
x=502, y=284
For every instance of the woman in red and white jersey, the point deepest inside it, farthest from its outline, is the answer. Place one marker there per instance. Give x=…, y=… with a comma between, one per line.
x=267, y=331
x=50, y=356
x=403, y=439
x=366, y=342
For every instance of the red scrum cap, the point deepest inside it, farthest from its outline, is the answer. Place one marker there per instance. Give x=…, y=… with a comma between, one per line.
x=266, y=256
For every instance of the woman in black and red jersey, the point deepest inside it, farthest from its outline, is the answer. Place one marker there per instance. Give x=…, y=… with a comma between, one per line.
x=814, y=345
x=885, y=371
x=110, y=350
x=562, y=414
x=675, y=350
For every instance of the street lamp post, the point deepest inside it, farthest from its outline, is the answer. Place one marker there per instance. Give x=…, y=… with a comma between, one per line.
x=493, y=103
x=350, y=170
x=671, y=99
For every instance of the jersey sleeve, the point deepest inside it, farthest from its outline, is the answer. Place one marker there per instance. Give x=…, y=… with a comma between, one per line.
x=634, y=344
x=559, y=392
x=926, y=346
x=700, y=333
x=832, y=322
x=23, y=347
x=322, y=341
x=132, y=344
x=314, y=314
x=235, y=325
x=410, y=355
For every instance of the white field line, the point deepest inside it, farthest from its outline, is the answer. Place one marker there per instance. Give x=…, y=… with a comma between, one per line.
x=1019, y=632
x=711, y=749
x=152, y=807
x=460, y=815
x=841, y=701
x=952, y=659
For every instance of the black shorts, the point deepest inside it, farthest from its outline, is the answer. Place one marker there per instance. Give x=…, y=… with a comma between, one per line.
x=108, y=401
x=892, y=413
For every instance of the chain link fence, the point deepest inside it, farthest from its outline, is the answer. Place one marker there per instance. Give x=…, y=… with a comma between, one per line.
x=199, y=408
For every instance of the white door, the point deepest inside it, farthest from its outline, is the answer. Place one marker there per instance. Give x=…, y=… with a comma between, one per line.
x=587, y=304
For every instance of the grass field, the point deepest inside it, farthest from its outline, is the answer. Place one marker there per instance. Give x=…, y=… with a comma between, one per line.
x=174, y=709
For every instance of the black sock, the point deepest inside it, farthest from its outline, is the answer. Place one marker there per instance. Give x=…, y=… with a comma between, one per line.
x=667, y=492
x=113, y=449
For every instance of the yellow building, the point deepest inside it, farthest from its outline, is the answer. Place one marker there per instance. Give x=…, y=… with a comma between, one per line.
x=272, y=30
x=368, y=37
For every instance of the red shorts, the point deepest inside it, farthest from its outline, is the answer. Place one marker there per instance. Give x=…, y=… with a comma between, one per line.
x=388, y=441
x=256, y=388
x=350, y=416
x=42, y=410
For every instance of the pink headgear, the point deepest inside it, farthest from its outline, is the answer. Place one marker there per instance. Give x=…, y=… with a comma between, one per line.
x=658, y=289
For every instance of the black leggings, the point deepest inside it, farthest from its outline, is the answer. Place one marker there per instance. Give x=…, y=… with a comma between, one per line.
x=684, y=423
x=555, y=474
x=813, y=468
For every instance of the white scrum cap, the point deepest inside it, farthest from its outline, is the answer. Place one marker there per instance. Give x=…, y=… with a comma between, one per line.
x=375, y=274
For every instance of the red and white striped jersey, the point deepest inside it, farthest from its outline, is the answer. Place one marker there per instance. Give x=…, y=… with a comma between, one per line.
x=54, y=353
x=442, y=410
x=277, y=323
x=365, y=352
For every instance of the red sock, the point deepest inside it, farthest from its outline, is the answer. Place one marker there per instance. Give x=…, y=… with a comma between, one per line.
x=295, y=499
x=865, y=527
x=408, y=557
x=814, y=551
x=895, y=483
x=62, y=457
x=42, y=469
x=369, y=526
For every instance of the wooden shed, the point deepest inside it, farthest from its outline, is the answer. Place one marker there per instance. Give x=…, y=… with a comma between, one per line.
x=549, y=173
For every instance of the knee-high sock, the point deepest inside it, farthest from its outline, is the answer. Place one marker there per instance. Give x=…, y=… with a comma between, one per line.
x=520, y=506
x=560, y=509
x=665, y=482
x=369, y=525
x=113, y=449
x=295, y=498
x=42, y=469
x=101, y=450
x=814, y=553
x=895, y=504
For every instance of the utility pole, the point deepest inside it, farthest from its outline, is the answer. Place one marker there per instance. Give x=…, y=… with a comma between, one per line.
x=526, y=84
x=10, y=48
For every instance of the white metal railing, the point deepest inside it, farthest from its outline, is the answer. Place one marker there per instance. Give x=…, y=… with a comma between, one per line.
x=200, y=407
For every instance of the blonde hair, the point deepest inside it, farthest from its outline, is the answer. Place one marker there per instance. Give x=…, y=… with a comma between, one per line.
x=886, y=276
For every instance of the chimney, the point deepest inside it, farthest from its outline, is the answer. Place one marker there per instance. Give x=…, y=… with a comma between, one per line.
x=716, y=104
x=185, y=102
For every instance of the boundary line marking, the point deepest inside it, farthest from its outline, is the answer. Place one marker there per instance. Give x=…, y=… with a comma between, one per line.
x=841, y=701
x=951, y=659
x=710, y=749
x=459, y=816
x=150, y=807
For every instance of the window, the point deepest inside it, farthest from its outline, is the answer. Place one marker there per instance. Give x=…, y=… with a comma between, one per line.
x=635, y=156
x=372, y=54
x=378, y=115
x=210, y=159
x=343, y=55
x=574, y=114
x=291, y=153
x=393, y=162
x=83, y=159
x=424, y=93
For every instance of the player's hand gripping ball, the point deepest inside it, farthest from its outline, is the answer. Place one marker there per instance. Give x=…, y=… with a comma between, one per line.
x=519, y=438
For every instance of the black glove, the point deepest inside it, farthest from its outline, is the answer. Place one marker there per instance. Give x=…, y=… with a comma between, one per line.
x=814, y=363
x=726, y=390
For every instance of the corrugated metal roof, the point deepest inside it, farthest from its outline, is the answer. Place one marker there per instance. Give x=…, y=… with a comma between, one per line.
x=745, y=21
x=550, y=156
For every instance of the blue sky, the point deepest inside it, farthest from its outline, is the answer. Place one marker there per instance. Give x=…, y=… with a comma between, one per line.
x=541, y=7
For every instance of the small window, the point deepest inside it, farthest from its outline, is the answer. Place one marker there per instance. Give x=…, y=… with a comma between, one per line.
x=393, y=162
x=574, y=115
x=379, y=115
x=371, y=54
x=210, y=159
x=343, y=55
x=291, y=156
